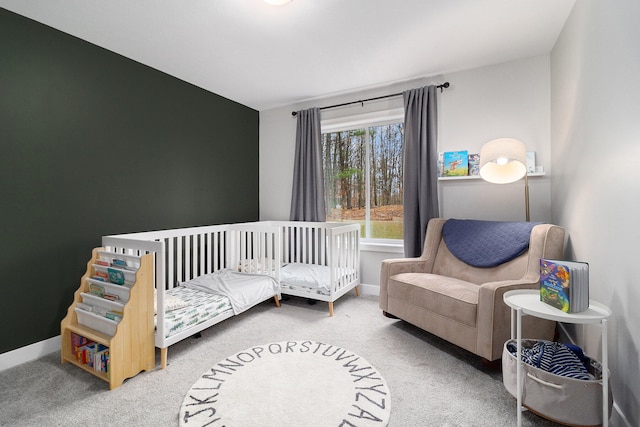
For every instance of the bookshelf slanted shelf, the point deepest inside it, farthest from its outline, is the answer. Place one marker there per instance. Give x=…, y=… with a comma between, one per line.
x=108, y=330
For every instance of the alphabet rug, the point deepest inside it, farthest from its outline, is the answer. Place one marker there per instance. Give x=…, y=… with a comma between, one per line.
x=289, y=383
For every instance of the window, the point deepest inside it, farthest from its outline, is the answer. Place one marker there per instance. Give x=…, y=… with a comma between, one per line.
x=363, y=170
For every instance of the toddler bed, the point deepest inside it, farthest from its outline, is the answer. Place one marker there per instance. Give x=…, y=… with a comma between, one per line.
x=196, y=269
x=201, y=274
x=319, y=260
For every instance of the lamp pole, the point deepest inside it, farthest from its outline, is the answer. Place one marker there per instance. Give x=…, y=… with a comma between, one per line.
x=526, y=194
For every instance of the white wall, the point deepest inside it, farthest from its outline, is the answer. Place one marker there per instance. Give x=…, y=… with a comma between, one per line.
x=595, y=106
x=510, y=99
x=506, y=100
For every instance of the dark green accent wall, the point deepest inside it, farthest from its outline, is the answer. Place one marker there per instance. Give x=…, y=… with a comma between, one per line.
x=91, y=144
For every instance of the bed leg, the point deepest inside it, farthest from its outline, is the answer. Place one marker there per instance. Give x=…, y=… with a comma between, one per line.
x=163, y=357
x=357, y=288
x=277, y=300
x=330, y=309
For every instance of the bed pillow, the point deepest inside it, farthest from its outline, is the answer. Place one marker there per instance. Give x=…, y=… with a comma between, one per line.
x=260, y=264
x=171, y=302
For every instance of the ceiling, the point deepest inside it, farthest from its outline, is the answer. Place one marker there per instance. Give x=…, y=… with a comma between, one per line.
x=265, y=56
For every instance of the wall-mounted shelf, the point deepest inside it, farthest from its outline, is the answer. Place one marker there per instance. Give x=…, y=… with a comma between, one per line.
x=454, y=178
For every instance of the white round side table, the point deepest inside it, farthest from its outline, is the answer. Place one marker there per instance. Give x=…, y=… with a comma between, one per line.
x=527, y=302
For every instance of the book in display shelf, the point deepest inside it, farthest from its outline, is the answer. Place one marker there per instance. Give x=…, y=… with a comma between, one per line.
x=108, y=330
x=455, y=163
x=474, y=164
x=564, y=285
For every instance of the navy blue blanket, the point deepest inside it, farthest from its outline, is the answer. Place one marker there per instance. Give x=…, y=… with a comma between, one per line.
x=486, y=243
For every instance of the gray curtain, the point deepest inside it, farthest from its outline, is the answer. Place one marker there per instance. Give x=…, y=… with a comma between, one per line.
x=307, y=200
x=420, y=166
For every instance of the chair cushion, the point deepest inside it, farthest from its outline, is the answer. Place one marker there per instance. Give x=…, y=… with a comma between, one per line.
x=486, y=243
x=446, y=296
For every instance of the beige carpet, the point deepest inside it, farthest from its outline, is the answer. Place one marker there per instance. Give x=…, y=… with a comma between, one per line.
x=289, y=383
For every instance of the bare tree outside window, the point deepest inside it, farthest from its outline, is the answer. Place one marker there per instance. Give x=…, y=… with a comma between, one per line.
x=363, y=178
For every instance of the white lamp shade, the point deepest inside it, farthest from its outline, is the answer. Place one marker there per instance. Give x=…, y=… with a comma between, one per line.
x=503, y=161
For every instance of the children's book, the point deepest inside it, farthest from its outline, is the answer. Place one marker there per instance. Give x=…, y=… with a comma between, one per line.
x=78, y=341
x=531, y=161
x=101, y=275
x=456, y=163
x=96, y=290
x=474, y=164
x=101, y=359
x=564, y=285
x=116, y=276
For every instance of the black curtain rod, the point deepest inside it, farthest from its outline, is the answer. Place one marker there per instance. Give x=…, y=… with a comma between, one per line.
x=442, y=87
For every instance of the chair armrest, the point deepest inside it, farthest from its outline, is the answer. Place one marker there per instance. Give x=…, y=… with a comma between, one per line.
x=422, y=264
x=391, y=267
x=494, y=316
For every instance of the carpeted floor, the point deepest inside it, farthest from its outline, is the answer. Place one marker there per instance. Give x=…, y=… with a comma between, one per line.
x=432, y=382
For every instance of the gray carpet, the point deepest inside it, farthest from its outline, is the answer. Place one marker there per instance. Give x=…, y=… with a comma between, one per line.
x=432, y=382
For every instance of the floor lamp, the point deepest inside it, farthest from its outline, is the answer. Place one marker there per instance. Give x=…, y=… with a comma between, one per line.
x=503, y=161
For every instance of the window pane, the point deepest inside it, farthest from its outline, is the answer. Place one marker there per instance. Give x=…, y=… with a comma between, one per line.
x=344, y=165
x=386, y=181
x=363, y=179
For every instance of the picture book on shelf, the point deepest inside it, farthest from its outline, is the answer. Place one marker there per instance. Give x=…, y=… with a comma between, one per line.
x=474, y=164
x=440, y=164
x=101, y=275
x=101, y=360
x=78, y=341
x=96, y=290
x=111, y=297
x=120, y=263
x=531, y=161
x=564, y=285
x=456, y=163
x=85, y=307
x=116, y=276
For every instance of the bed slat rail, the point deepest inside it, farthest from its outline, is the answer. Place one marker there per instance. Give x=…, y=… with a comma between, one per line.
x=257, y=248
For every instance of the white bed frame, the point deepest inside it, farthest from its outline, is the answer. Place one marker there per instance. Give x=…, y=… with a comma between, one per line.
x=185, y=253
x=331, y=244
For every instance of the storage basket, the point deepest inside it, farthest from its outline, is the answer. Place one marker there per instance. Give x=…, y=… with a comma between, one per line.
x=558, y=398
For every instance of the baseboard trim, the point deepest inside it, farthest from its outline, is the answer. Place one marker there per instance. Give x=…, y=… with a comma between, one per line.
x=369, y=289
x=617, y=417
x=28, y=353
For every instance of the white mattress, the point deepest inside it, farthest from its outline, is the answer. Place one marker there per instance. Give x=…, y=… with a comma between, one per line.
x=199, y=306
x=310, y=278
x=306, y=276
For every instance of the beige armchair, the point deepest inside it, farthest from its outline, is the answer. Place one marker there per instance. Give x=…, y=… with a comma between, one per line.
x=461, y=303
